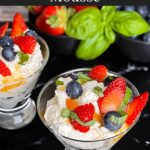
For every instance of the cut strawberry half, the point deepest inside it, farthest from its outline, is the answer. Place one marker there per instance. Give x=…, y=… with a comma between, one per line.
x=98, y=73
x=136, y=107
x=4, y=70
x=26, y=43
x=18, y=26
x=3, y=29
x=113, y=96
x=79, y=127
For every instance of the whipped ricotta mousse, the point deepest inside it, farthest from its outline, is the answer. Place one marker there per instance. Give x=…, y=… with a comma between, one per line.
x=20, y=52
x=93, y=106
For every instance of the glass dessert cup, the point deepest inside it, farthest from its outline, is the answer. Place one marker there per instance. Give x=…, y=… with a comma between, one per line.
x=17, y=109
x=48, y=92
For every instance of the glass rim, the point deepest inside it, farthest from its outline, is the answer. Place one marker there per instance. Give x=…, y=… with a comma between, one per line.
x=78, y=70
x=44, y=62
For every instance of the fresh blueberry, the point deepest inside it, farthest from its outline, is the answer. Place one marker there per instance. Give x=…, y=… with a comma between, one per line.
x=111, y=126
x=32, y=33
x=146, y=37
x=74, y=76
x=129, y=8
x=143, y=10
x=8, y=53
x=74, y=89
x=6, y=41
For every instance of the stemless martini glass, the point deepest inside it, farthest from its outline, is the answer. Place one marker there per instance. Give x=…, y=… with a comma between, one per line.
x=48, y=92
x=17, y=109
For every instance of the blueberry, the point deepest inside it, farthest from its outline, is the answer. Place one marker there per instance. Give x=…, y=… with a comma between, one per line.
x=6, y=41
x=32, y=33
x=129, y=8
x=8, y=53
x=74, y=89
x=111, y=126
x=143, y=10
x=73, y=76
x=146, y=37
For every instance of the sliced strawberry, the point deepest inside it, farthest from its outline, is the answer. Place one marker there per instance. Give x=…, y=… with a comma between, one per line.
x=4, y=70
x=18, y=26
x=98, y=73
x=79, y=127
x=136, y=107
x=3, y=29
x=26, y=43
x=113, y=96
x=85, y=114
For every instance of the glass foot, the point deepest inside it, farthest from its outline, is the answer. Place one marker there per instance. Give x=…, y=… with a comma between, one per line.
x=18, y=117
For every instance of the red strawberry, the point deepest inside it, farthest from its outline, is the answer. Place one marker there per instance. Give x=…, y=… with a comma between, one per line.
x=53, y=20
x=136, y=106
x=26, y=43
x=4, y=70
x=36, y=9
x=79, y=127
x=3, y=29
x=18, y=26
x=113, y=96
x=79, y=8
x=98, y=73
x=85, y=113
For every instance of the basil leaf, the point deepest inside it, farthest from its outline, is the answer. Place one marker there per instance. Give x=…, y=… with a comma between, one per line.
x=65, y=113
x=129, y=23
x=58, y=82
x=84, y=24
x=93, y=47
x=74, y=116
x=97, y=90
x=23, y=57
x=83, y=78
x=108, y=13
x=126, y=99
x=118, y=120
x=109, y=34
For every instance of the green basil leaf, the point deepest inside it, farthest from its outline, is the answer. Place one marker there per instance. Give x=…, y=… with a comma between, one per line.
x=93, y=47
x=84, y=24
x=126, y=99
x=108, y=13
x=109, y=34
x=65, y=113
x=118, y=120
x=74, y=116
x=58, y=82
x=129, y=23
x=97, y=90
x=23, y=57
x=83, y=78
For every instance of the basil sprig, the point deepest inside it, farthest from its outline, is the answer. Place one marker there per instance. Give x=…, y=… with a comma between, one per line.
x=96, y=29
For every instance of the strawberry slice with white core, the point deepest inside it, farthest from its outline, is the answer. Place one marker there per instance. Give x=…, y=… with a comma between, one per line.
x=113, y=96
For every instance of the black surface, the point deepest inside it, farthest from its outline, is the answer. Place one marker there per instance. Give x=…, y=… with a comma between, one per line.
x=37, y=137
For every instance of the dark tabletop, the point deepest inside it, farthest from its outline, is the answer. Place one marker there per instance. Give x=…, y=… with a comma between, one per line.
x=36, y=136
